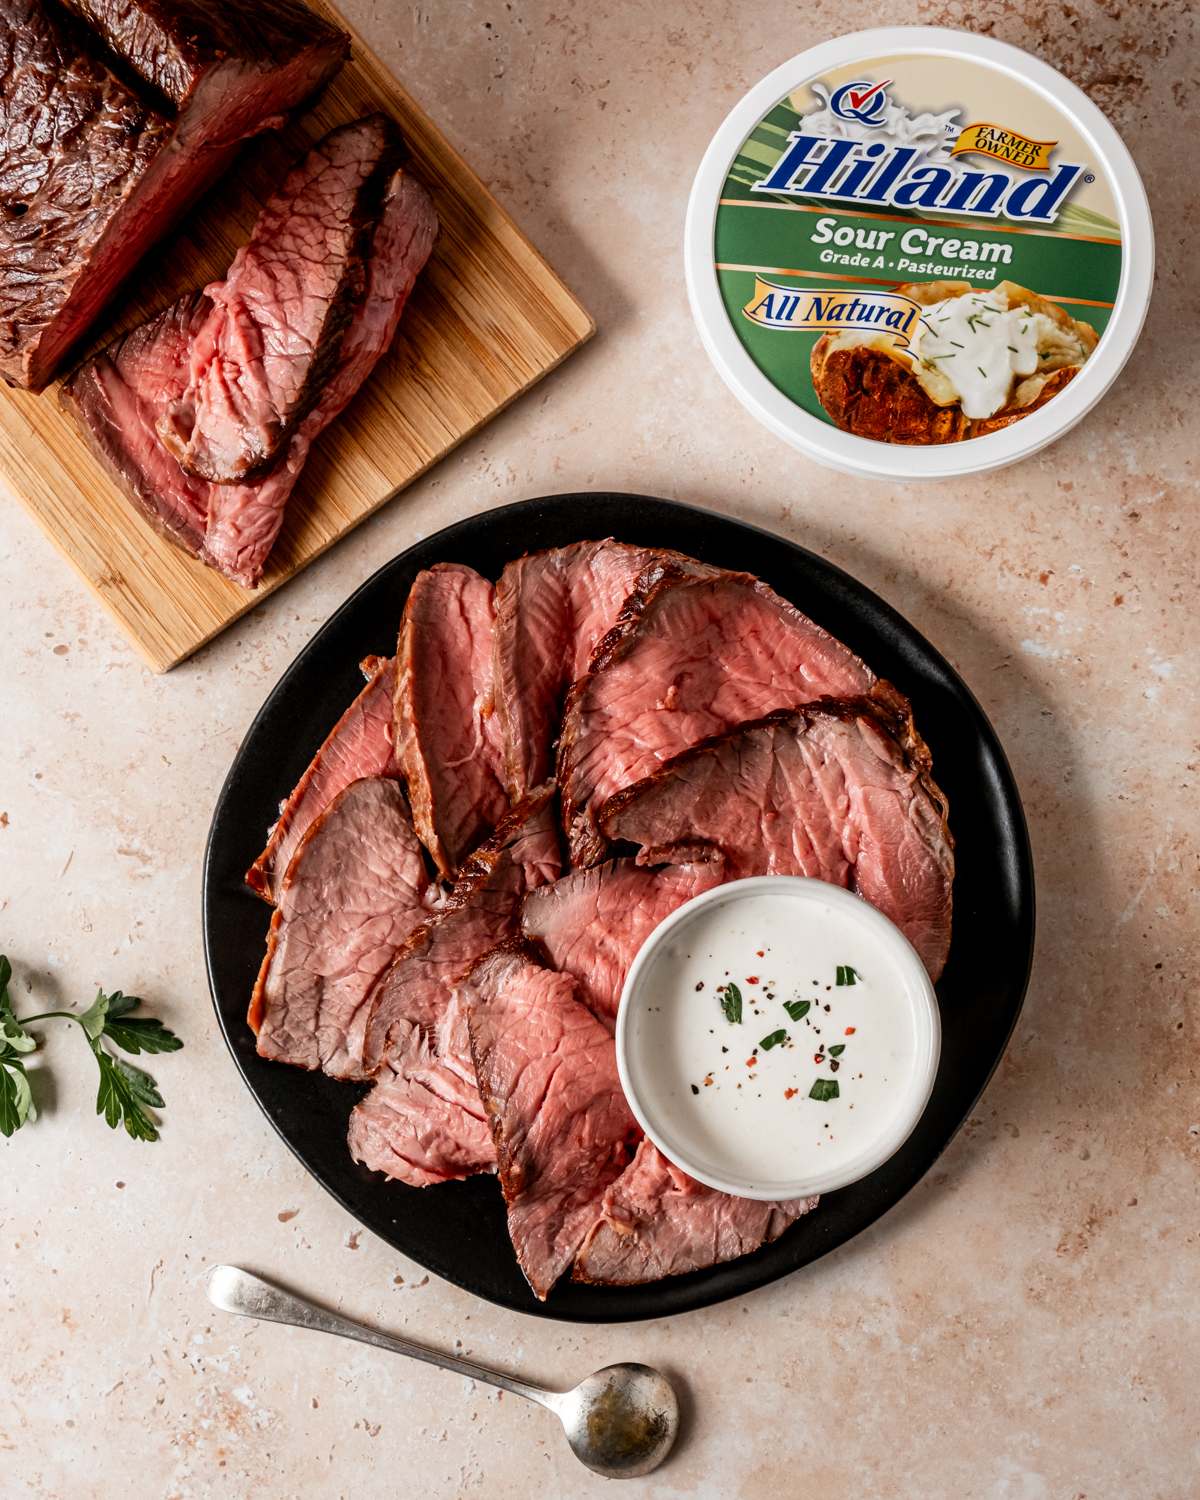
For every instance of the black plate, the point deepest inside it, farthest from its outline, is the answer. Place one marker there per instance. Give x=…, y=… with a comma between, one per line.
x=458, y=1230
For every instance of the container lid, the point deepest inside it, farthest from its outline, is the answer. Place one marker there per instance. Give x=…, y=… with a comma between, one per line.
x=914, y=253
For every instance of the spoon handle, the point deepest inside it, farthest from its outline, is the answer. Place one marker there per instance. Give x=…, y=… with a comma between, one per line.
x=236, y=1291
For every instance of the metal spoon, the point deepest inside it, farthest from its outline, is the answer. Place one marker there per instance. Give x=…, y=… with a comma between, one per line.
x=620, y=1422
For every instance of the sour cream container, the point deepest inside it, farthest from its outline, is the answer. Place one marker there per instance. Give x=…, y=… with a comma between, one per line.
x=778, y=1037
x=880, y=187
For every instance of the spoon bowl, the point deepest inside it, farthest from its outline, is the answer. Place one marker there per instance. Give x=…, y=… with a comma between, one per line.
x=620, y=1422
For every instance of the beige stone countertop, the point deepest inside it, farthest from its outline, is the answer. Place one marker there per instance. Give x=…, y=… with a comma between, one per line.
x=1023, y=1326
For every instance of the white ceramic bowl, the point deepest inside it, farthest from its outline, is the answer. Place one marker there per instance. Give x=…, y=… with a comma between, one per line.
x=645, y=1073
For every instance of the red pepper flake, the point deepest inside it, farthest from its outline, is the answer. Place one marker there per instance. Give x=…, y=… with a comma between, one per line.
x=817, y=1058
x=758, y=953
x=788, y=1093
x=750, y=1061
x=752, y=979
x=850, y=1030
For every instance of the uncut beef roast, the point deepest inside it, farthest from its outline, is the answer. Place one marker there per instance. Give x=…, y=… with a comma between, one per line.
x=115, y=117
x=119, y=398
x=839, y=790
x=689, y=657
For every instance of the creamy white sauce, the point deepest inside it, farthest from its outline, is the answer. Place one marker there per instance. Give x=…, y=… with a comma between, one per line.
x=743, y=1111
x=980, y=345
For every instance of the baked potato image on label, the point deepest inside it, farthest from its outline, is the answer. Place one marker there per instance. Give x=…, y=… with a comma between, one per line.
x=981, y=360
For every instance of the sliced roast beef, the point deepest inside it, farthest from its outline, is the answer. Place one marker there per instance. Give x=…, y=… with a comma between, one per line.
x=352, y=893
x=95, y=168
x=114, y=400
x=360, y=744
x=274, y=334
x=424, y=1121
x=482, y=910
x=592, y=922
x=657, y=1221
x=552, y=610
x=837, y=790
x=117, y=398
x=547, y=1075
x=447, y=736
x=689, y=657
x=244, y=519
x=413, y=1021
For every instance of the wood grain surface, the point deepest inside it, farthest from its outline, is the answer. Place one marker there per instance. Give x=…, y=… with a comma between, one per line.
x=488, y=318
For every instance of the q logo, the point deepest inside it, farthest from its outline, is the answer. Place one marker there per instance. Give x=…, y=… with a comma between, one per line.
x=864, y=102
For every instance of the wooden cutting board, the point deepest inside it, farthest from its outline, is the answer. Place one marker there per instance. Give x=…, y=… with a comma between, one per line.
x=488, y=318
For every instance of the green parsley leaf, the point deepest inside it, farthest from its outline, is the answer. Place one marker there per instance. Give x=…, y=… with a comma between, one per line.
x=838, y=1050
x=93, y=1019
x=847, y=975
x=773, y=1040
x=119, y=1004
x=731, y=1004
x=122, y=1092
x=12, y=1033
x=824, y=1090
x=797, y=1009
x=142, y=1034
x=16, y=1100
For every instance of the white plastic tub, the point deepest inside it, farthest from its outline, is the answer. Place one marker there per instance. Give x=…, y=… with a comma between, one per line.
x=934, y=156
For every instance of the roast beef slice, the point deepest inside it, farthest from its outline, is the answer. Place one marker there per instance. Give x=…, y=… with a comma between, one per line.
x=274, y=334
x=446, y=734
x=838, y=791
x=482, y=909
x=424, y=1122
x=360, y=744
x=95, y=168
x=118, y=398
x=547, y=1074
x=657, y=1221
x=592, y=922
x=352, y=893
x=690, y=657
x=552, y=610
x=415, y=1125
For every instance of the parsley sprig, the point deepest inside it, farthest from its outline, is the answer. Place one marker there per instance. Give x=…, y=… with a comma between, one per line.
x=123, y=1089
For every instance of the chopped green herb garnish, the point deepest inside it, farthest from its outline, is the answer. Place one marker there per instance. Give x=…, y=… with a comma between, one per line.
x=957, y=345
x=773, y=1040
x=824, y=1089
x=847, y=975
x=838, y=1050
x=943, y=356
x=731, y=1003
x=797, y=1009
x=1011, y=350
x=982, y=371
